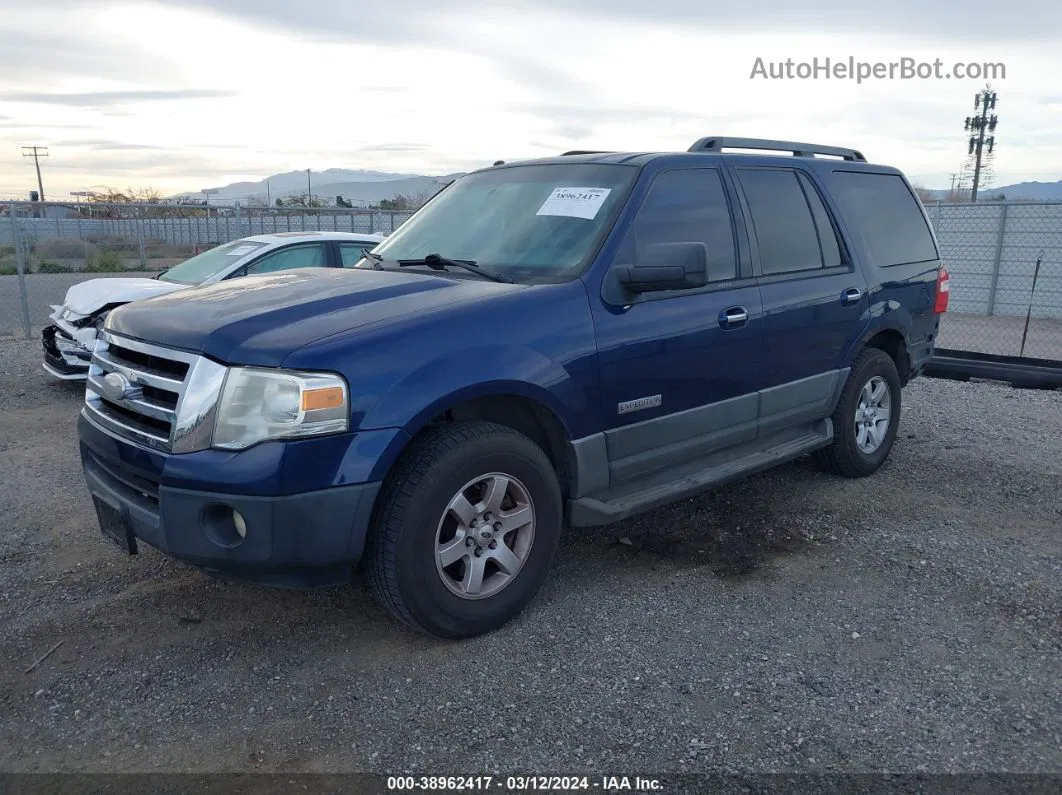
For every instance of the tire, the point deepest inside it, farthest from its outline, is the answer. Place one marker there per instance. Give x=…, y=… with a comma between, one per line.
x=413, y=521
x=846, y=456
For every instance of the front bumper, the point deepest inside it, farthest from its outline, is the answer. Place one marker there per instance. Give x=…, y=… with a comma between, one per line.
x=64, y=357
x=296, y=540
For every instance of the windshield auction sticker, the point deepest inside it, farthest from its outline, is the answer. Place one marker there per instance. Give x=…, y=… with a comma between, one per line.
x=575, y=202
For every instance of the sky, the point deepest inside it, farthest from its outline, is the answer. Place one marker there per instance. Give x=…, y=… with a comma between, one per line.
x=180, y=95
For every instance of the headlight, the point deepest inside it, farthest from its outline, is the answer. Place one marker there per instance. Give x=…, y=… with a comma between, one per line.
x=260, y=404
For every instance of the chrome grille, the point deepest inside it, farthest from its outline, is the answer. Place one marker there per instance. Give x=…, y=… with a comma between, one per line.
x=162, y=398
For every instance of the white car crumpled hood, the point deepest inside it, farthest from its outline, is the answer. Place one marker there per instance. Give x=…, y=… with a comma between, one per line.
x=88, y=297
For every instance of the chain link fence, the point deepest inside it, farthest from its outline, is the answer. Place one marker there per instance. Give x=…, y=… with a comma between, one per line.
x=47, y=248
x=1005, y=261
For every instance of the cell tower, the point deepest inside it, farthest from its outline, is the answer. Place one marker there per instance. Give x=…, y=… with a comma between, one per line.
x=978, y=165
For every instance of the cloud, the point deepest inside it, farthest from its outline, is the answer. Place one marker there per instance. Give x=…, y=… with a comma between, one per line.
x=412, y=19
x=425, y=86
x=146, y=167
x=22, y=125
x=106, y=145
x=108, y=99
x=29, y=54
x=394, y=148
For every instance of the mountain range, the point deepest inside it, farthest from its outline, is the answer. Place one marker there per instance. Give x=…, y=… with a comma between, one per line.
x=364, y=187
x=1034, y=191
x=359, y=186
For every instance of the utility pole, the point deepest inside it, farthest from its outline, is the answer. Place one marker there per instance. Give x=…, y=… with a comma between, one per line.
x=977, y=126
x=269, y=199
x=37, y=152
x=309, y=194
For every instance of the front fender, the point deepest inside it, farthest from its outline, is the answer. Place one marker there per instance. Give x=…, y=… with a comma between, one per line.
x=475, y=372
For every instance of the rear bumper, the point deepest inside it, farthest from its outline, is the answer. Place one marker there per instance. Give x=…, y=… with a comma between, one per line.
x=1017, y=370
x=297, y=540
x=921, y=352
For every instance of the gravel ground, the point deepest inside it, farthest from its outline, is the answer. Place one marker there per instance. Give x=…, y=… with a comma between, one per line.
x=791, y=622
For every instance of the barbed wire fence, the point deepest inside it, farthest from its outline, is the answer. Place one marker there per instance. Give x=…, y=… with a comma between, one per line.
x=1005, y=259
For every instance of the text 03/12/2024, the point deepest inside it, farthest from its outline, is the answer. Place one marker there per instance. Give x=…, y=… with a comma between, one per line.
x=523, y=783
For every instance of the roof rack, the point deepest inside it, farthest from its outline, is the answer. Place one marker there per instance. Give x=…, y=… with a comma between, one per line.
x=716, y=143
x=587, y=152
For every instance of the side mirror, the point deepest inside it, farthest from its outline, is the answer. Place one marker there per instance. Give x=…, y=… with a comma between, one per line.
x=666, y=266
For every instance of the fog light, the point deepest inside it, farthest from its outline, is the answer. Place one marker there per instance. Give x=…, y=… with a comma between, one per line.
x=241, y=526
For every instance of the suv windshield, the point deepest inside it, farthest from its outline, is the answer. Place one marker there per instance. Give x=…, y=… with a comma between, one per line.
x=202, y=266
x=534, y=223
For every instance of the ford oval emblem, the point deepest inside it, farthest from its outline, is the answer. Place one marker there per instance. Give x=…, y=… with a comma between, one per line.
x=115, y=386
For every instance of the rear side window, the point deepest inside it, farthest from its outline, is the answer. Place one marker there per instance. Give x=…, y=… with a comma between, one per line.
x=882, y=210
x=786, y=234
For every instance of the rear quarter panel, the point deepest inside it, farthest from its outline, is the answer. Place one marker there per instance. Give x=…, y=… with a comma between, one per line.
x=901, y=297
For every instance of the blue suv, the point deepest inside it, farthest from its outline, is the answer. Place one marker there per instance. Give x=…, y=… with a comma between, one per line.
x=564, y=341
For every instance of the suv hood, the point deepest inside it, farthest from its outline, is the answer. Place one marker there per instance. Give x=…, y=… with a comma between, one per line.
x=91, y=296
x=261, y=319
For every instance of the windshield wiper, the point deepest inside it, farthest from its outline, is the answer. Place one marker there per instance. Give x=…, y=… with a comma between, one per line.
x=375, y=259
x=439, y=263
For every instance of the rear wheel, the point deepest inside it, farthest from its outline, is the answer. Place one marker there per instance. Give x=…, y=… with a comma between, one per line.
x=466, y=530
x=866, y=419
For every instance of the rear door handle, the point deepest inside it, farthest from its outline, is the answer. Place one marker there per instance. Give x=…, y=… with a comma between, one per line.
x=851, y=296
x=734, y=317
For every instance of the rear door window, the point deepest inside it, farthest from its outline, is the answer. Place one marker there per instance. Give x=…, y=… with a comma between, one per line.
x=782, y=222
x=310, y=255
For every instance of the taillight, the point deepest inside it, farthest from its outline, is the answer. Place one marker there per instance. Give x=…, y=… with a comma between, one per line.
x=941, y=304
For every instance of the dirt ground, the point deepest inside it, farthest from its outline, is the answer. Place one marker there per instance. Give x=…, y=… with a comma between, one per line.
x=911, y=621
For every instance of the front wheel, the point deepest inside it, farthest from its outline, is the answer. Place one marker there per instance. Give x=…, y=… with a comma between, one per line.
x=866, y=419
x=466, y=530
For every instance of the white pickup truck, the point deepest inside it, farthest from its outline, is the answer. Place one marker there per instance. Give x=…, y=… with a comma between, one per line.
x=69, y=341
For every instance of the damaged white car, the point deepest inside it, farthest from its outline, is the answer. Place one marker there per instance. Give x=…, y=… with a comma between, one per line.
x=69, y=341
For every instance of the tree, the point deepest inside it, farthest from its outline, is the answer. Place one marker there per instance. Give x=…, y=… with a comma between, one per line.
x=127, y=196
x=925, y=195
x=300, y=201
x=108, y=202
x=341, y=202
x=401, y=202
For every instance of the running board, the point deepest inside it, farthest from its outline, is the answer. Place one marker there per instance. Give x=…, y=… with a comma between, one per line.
x=676, y=483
